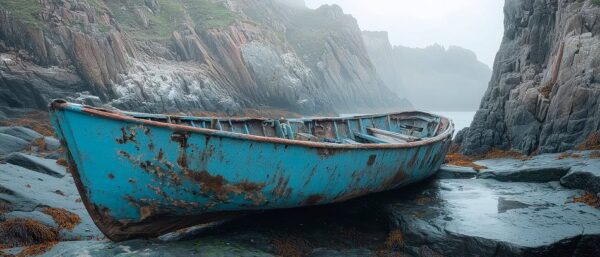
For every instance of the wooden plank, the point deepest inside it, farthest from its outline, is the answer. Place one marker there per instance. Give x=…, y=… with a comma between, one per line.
x=350, y=141
x=306, y=137
x=337, y=136
x=394, y=135
x=231, y=126
x=216, y=124
x=288, y=131
x=388, y=138
x=246, y=130
x=278, y=129
x=372, y=139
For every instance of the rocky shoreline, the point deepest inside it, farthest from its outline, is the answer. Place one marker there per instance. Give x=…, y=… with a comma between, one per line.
x=546, y=205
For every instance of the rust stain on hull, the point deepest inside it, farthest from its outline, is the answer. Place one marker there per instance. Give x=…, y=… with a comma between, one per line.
x=371, y=160
x=313, y=200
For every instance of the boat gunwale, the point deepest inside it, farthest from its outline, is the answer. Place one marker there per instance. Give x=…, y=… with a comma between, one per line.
x=127, y=117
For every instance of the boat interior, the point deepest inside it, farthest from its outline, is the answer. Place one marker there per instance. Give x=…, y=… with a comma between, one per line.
x=369, y=129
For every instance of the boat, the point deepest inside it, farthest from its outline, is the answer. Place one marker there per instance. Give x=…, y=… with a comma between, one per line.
x=144, y=175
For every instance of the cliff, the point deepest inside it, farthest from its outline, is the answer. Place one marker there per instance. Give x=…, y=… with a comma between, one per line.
x=183, y=55
x=545, y=89
x=432, y=78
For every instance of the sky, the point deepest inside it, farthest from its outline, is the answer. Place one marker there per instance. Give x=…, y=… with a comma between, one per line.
x=473, y=24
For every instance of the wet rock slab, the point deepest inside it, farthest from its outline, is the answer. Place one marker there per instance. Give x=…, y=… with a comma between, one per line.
x=480, y=217
x=575, y=169
x=451, y=171
x=21, y=132
x=38, y=164
x=9, y=144
x=27, y=192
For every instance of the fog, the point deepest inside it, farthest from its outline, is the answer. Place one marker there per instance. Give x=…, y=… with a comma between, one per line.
x=473, y=24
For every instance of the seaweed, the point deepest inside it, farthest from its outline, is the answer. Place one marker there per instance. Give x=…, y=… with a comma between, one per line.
x=589, y=199
x=592, y=142
x=458, y=159
x=395, y=240
x=37, y=249
x=21, y=232
x=62, y=162
x=563, y=156
x=37, y=121
x=65, y=219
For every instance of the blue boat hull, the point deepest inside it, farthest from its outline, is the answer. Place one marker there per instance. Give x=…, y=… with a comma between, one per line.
x=142, y=178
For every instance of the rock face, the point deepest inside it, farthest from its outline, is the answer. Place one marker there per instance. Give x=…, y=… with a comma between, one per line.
x=432, y=78
x=170, y=56
x=546, y=82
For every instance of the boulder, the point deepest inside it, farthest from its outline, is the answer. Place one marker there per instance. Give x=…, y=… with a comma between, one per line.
x=584, y=177
x=52, y=144
x=45, y=166
x=9, y=144
x=21, y=132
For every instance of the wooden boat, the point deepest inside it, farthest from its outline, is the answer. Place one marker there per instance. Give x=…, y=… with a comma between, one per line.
x=144, y=175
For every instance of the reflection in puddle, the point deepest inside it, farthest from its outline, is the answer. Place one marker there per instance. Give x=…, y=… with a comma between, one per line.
x=505, y=205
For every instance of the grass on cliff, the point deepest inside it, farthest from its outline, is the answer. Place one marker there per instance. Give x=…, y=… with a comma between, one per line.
x=596, y=2
x=169, y=16
x=162, y=23
x=23, y=10
x=209, y=15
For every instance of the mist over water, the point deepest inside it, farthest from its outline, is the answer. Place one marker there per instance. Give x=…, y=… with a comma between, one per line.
x=461, y=119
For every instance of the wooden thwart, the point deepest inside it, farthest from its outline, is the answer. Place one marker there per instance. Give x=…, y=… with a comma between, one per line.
x=388, y=135
x=372, y=139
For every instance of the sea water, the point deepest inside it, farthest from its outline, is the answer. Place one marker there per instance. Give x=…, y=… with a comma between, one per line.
x=461, y=119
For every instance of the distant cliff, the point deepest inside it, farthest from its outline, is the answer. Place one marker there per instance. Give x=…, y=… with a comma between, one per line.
x=545, y=90
x=169, y=56
x=432, y=78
